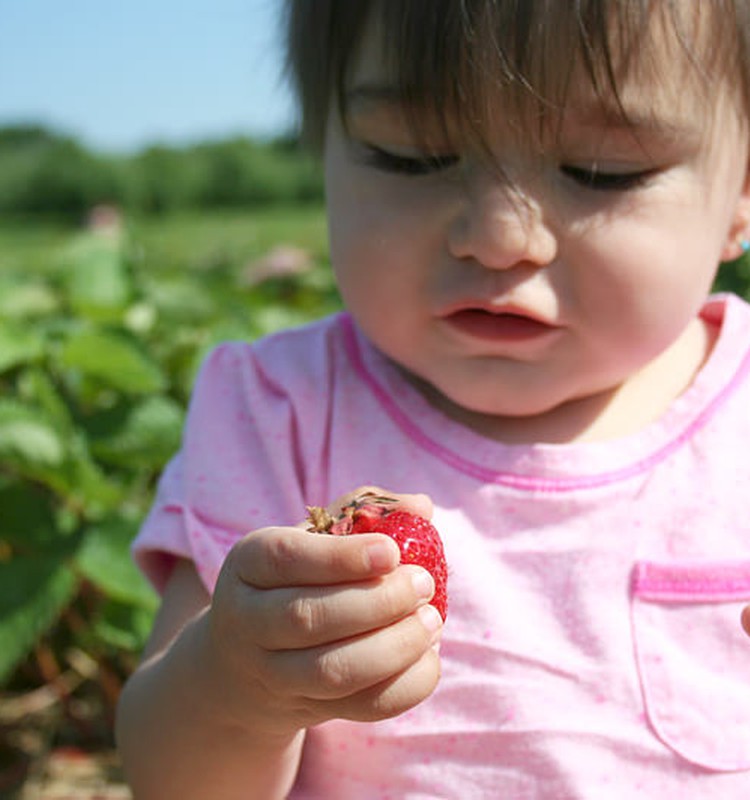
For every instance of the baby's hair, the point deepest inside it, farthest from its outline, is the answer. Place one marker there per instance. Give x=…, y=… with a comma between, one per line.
x=461, y=55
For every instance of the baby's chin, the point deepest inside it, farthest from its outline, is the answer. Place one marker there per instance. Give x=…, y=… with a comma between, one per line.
x=470, y=410
x=569, y=420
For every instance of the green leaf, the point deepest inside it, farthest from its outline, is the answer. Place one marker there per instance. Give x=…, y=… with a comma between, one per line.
x=144, y=434
x=123, y=627
x=34, y=591
x=104, y=558
x=27, y=437
x=97, y=277
x=28, y=519
x=21, y=299
x=19, y=345
x=114, y=359
x=36, y=387
x=86, y=483
x=75, y=476
x=176, y=299
x=271, y=317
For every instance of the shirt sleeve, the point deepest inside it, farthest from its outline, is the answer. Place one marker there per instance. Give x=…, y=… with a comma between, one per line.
x=238, y=468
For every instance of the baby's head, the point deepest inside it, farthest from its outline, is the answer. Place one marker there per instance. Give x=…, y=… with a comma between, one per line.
x=528, y=199
x=460, y=58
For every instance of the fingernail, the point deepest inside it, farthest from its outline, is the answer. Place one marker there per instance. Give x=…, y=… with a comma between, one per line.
x=423, y=584
x=431, y=618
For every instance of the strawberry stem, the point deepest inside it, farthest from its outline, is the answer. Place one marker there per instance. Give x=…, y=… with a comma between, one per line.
x=322, y=521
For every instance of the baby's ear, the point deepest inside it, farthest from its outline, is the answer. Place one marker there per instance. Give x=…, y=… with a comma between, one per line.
x=738, y=237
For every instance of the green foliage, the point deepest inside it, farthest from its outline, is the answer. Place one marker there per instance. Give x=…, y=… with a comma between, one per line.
x=42, y=172
x=101, y=333
x=734, y=276
x=33, y=590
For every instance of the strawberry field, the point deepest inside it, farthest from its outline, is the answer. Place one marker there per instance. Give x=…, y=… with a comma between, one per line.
x=102, y=328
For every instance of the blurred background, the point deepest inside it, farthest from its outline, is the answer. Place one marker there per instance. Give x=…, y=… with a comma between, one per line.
x=153, y=201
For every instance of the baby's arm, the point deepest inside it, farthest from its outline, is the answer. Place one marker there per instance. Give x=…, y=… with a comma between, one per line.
x=172, y=742
x=302, y=628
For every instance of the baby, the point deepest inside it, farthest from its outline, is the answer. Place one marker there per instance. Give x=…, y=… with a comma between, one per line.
x=528, y=203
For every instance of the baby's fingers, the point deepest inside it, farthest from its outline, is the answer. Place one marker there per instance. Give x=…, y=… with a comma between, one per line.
x=338, y=670
x=300, y=617
x=394, y=696
x=276, y=557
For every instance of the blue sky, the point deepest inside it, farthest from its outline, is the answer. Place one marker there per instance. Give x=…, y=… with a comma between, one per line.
x=120, y=74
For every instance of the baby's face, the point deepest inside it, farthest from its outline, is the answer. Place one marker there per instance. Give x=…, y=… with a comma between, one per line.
x=571, y=272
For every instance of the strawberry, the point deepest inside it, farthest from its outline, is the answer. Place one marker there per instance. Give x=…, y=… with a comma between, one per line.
x=417, y=539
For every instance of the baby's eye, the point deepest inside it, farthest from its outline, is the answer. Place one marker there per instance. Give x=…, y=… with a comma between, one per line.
x=606, y=181
x=407, y=165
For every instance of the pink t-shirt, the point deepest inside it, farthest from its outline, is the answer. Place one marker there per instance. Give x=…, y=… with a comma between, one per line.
x=592, y=648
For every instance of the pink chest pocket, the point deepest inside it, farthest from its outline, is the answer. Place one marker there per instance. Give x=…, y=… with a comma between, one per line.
x=693, y=658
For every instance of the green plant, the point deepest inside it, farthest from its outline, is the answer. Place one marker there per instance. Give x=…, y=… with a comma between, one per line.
x=99, y=344
x=101, y=333
x=46, y=172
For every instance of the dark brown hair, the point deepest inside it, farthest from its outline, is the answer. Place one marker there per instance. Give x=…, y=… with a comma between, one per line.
x=452, y=56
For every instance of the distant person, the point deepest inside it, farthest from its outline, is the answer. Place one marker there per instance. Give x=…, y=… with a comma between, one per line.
x=105, y=219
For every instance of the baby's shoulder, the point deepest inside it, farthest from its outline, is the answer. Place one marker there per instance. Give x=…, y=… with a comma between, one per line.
x=289, y=358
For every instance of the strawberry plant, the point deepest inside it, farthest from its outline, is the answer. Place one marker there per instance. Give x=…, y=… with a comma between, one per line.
x=101, y=332
x=99, y=344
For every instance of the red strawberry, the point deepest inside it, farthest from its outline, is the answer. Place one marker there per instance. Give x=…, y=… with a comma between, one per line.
x=418, y=540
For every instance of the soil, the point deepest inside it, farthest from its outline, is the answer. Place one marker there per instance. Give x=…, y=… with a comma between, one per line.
x=58, y=745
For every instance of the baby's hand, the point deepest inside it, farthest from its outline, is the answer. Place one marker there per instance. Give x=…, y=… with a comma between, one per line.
x=305, y=628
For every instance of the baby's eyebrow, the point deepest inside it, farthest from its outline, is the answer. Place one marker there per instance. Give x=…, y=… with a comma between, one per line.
x=363, y=96
x=390, y=104
x=372, y=91
x=632, y=120
x=382, y=99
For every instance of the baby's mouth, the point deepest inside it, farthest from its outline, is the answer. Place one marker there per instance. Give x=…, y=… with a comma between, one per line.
x=511, y=326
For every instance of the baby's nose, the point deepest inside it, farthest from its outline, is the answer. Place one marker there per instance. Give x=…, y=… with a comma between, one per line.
x=500, y=226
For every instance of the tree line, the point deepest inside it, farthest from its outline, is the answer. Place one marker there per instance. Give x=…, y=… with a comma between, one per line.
x=46, y=172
